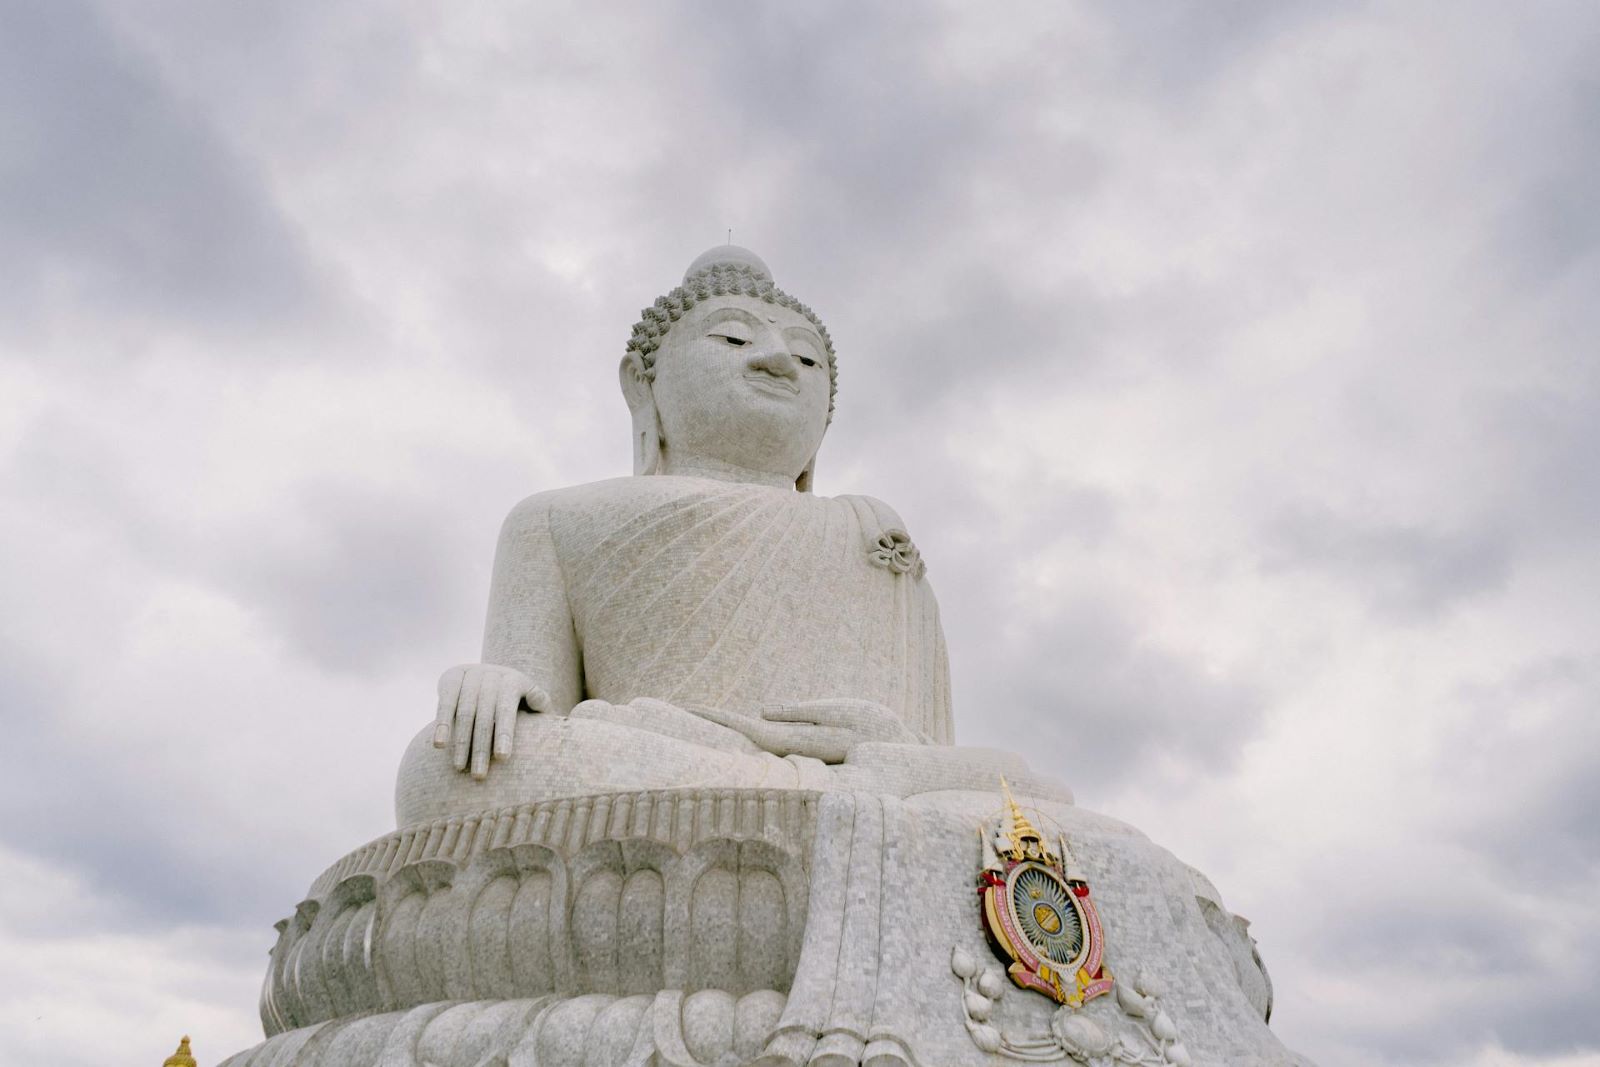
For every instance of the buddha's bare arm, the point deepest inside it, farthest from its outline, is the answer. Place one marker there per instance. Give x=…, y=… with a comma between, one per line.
x=530, y=650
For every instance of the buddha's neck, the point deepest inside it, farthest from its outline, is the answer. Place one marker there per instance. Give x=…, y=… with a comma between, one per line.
x=720, y=470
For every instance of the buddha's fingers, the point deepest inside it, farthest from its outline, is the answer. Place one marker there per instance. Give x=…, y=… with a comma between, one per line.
x=449, y=694
x=766, y=734
x=791, y=713
x=483, y=721
x=466, y=710
x=505, y=719
x=865, y=718
x=830, y=744
x=791, y=733
x=731, y=719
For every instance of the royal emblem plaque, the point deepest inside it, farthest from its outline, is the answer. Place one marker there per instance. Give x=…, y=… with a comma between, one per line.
x=1037, y=911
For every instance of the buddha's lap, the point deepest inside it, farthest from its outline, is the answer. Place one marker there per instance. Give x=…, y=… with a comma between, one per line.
x=561, y=756
x=569, y=756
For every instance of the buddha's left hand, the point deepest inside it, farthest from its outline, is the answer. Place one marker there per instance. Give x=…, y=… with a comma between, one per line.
x=823, y=729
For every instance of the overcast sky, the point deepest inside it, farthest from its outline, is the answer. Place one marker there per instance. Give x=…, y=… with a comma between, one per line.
x=1234, y=367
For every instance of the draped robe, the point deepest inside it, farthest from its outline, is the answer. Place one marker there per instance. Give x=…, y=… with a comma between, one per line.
x=636, y=601
x=707, y=593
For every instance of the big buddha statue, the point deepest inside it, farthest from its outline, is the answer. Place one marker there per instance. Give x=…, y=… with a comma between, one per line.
x=699, y=803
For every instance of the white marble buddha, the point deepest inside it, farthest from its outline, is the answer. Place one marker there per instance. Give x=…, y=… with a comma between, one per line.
x=698, y=805
x=709, y=620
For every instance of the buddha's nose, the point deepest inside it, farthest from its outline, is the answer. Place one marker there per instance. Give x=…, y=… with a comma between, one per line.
x=776, y=361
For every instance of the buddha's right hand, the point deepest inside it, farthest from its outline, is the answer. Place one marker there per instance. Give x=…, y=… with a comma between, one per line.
x=478, y=704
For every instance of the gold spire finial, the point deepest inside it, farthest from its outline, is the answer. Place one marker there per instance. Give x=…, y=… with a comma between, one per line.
x=1026, y=842
x=181, y=1058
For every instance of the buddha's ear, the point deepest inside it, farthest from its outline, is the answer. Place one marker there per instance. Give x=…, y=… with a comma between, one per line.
x=635, y=378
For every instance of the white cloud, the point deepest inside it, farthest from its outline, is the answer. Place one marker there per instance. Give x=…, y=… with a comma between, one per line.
x=77, y=993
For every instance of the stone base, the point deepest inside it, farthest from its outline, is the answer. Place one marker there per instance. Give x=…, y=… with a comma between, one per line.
x=707, y=928
x=709, y=1027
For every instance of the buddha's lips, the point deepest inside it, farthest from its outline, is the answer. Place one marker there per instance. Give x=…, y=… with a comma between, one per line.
x=774, y=382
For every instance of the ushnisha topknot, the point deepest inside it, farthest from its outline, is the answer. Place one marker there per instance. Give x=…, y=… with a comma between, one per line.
x=737, y=277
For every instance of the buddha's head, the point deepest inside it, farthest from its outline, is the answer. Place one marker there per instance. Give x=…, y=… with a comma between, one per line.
x=729, y=372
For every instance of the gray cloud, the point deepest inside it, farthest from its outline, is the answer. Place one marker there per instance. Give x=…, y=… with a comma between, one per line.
x=1409, y=571
x=1541, y=1002
x=75, y=804
x=1176, y=50
x=1110, y=705
x=1511, y=858
x=1542, y=128
x=119, y=196
x=886, y=143
x=352, y=577
x=1536, y=734
x=978, y=330
x=369, y=580
x=1548, y=439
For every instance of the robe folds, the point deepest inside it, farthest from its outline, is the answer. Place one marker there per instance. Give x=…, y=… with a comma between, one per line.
x=708, y=593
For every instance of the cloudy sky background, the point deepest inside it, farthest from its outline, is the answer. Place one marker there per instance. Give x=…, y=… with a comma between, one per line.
x=1233, y=365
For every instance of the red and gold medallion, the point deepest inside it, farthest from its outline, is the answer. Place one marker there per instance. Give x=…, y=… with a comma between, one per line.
x=1038, y=914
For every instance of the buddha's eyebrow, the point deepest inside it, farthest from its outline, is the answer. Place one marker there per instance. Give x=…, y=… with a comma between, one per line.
x=805, y=332
x=726, y=313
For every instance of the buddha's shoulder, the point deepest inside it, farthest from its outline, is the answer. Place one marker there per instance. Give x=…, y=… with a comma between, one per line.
x=592, y=508
x=609, y=501
x=874, y=512
x=542, y=507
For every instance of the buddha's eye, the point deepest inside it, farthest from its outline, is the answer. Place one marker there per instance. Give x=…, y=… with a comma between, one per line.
x=807, y=360
x=737, y=342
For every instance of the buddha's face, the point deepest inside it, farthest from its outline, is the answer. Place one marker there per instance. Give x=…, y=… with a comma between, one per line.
x=745, y=382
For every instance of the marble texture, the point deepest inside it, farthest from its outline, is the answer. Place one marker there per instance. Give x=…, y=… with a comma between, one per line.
x=699, y=802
